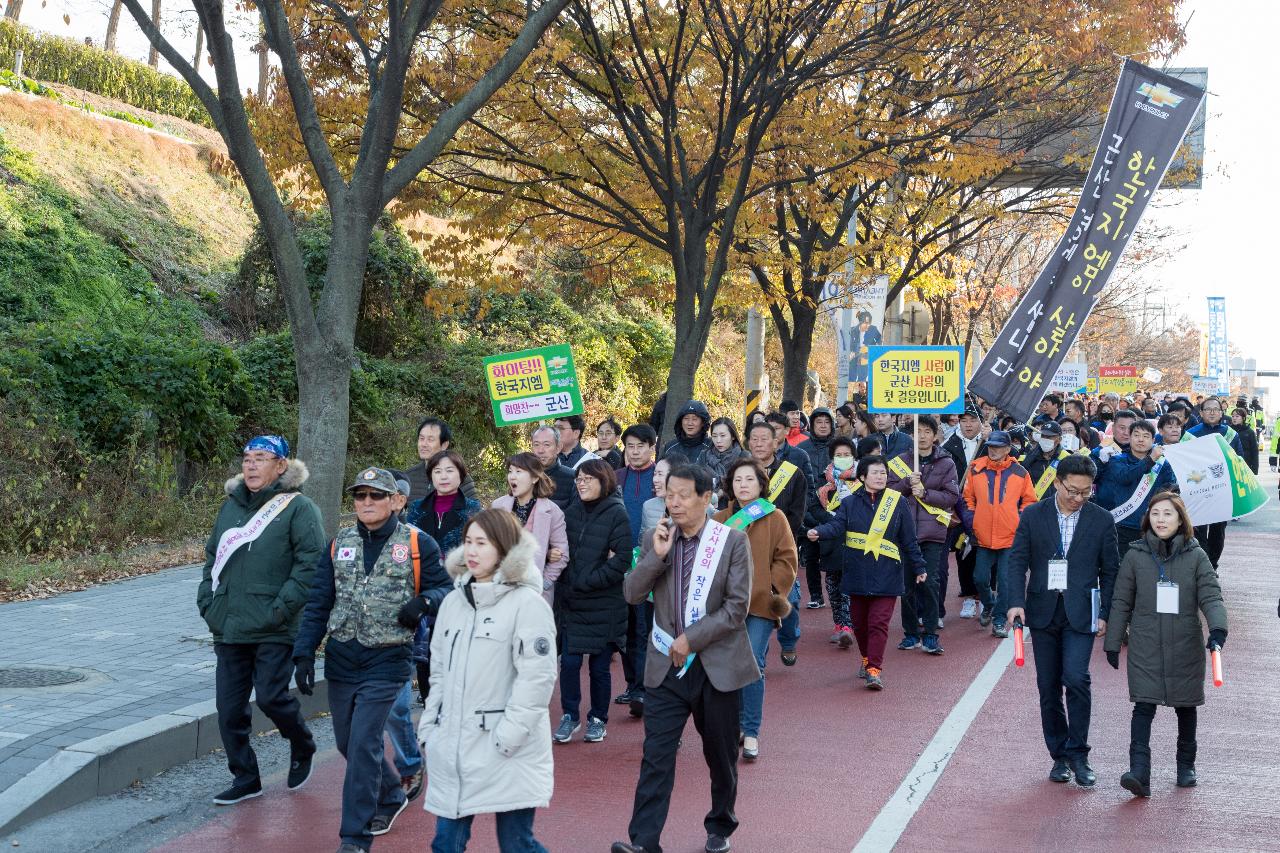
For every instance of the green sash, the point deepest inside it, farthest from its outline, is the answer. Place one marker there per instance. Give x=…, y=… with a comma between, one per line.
x=753, y=511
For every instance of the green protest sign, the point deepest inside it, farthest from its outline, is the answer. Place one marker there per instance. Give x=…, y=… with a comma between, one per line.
x=533, y=385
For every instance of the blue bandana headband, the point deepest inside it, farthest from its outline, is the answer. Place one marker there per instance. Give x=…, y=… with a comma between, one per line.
x=270, y=443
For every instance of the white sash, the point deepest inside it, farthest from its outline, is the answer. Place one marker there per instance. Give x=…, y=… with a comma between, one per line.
x=710, y=548
x=1148, y=480
x=233, y=538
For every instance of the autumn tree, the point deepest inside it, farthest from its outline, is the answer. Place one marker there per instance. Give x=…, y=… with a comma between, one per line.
x=375, y=49
x=941, y=146
x=644, y=121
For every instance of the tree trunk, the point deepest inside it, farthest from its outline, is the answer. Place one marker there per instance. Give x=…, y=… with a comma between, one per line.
x=324, y=414
x=13, y=10
x=263, y=65
x=199, y=47
x=693, y=326
x=113, y=26
x=796, y=348
x=153, y=57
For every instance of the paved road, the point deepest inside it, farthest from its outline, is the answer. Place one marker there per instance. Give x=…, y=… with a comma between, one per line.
x=834, y=761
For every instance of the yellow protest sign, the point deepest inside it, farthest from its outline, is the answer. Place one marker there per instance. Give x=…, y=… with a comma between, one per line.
x=923, y=380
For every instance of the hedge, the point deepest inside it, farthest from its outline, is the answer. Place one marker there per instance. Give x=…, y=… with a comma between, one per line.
x=63, y=60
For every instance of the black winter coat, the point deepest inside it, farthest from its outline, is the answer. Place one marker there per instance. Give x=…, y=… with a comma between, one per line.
x=590, y=608
x=1249, y=442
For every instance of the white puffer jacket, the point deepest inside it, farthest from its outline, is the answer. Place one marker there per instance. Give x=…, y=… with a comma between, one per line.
x=485, y=728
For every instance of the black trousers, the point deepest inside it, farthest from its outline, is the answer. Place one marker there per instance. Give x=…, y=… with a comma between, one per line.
x=1144, y=713
x=921, y=600
x=811, y=553
x=1125, y=536
x=639, y=623
x=1062, y=666
x=1213, y=538
x=666, y=710
x=964, y=571
x=264, y=668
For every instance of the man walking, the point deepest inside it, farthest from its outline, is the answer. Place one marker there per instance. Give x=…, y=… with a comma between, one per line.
x=257, y=570
x=545, y=444
x=1062, y=570
x=372, y=587
x=699, y=572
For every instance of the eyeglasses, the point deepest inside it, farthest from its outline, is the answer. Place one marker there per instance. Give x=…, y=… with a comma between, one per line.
x=369, y=495
x=1077, y=493
x=585, y=478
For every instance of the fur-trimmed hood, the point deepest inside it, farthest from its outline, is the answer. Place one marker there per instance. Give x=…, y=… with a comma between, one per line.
x=290, y=481
x=518, y=568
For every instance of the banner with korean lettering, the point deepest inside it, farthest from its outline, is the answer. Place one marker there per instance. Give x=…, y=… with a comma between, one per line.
x=1218, y=368
x=919, y=379
x=533, y=385
x=1150, y=113
x=1121, y=379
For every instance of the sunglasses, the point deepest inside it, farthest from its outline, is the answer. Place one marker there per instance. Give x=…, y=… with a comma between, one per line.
x=369, y=495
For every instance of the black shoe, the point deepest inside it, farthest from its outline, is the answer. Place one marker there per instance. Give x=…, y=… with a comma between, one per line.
x=788, y=657
x=814, y=604
x=381, y=823
x=1186, y=763
x=412, y=786
x=626, y=847
x=300, y=767
x=1060, y=772
x=717, y=844
x=624, y=698
x=636, y=708
x=1138, y=780
x=1085, y=777
x=238, y=793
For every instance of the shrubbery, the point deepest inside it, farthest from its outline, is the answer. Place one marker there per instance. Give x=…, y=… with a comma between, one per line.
x=63, y=60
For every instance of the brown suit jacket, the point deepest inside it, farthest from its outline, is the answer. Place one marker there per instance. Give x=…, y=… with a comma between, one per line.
x=720, y=637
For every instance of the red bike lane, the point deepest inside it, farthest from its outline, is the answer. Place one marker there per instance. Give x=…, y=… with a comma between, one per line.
x=831, y=754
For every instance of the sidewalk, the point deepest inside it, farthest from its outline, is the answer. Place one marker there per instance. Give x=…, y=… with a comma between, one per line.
x=135, y=654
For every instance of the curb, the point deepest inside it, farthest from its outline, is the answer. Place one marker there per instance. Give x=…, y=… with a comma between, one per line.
x=114, y=761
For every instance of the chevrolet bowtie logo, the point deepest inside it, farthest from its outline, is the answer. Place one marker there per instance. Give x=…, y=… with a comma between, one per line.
x=557, y=362
x=1159, y=95
x=1196, y=476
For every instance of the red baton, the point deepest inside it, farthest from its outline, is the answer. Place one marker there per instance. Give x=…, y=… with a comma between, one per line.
x=1216, y=657
x=1019, y=656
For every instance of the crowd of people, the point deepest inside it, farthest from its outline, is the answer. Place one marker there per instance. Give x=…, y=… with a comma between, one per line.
x=684, y=559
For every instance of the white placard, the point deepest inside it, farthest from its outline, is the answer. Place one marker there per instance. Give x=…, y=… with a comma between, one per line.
x=1071, y=376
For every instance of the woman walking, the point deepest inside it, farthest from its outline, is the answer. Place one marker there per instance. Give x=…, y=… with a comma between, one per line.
x=592, y=609
x=441, y=515
x=837, y=487
x=530, y=501
x=485, y=725
x=1165, y=582
x=879, y=537
x=773, y=557
x=726, y=449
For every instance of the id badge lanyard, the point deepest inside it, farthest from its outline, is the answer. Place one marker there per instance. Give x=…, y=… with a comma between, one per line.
x=1057, y=580
x=1166, y=591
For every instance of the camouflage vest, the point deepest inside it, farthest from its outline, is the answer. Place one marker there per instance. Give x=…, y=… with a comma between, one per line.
x=365, y=605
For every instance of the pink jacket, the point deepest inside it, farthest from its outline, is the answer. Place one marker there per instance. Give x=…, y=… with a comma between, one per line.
x=546, y=523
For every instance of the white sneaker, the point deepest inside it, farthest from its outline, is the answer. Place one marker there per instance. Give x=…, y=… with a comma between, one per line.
x=969, y=609
x=940, y=625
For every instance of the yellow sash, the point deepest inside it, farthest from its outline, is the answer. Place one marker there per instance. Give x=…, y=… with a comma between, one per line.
x=834, y=503
x=779, y=480
x=873, y=540
x=1050, y=471
x=899, y=468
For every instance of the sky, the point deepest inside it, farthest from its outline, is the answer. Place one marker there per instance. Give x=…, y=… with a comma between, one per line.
x=1221, y=231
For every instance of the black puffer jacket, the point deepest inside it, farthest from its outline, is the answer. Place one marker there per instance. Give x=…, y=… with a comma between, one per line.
x=590, y=609
x=695, y=446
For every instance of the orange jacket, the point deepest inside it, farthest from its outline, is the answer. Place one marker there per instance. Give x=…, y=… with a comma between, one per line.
x=997, y=492
x=796, y=436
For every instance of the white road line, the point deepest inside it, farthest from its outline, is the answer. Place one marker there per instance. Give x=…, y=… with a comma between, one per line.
x=893, y=819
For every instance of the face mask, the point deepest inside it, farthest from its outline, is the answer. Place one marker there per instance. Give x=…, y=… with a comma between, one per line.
x=1046, y=444
x=842, y=463
x=1070, y=443
x=1105, y=416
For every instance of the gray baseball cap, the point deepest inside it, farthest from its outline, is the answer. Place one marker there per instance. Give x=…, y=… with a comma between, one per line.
x=375, y=478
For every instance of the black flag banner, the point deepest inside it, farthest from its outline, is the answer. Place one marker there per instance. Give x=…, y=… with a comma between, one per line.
x=1150, y=113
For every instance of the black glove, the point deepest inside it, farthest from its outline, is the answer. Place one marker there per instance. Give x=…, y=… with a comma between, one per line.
x=413, y=611
x=1217, y=639
x=304, y=672
x=1113, y=658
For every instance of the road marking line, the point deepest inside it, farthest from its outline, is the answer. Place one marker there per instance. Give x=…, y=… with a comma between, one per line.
x=893, y=819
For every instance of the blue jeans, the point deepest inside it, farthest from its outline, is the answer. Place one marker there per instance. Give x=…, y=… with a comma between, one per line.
x=371, y=785
x=515, y=833
x=601, y=684
x=404, y=737
x=789, y=630
x=759, y=630
x=989, y=558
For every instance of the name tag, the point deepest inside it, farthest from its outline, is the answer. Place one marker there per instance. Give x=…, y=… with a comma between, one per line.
x=1167, y=598
x=1058, y=575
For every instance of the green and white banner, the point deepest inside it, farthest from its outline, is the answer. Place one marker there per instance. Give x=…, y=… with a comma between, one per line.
x=1215, y=483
